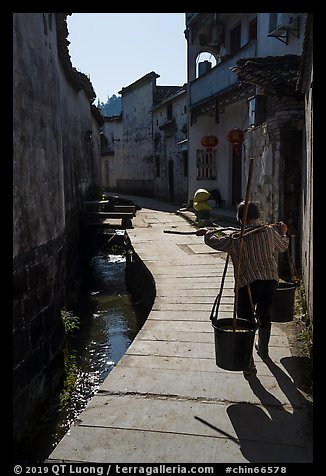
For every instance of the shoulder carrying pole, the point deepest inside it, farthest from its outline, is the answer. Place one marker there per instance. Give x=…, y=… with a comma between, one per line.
x=243, y=223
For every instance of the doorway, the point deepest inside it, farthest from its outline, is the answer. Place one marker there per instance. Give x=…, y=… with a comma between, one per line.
x=171, y=180
x=236, y=175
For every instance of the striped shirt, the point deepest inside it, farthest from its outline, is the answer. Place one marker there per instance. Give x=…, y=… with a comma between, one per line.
x=259, y=252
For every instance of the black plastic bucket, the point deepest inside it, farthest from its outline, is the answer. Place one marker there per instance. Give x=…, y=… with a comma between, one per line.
x=282, y=309
x=233, y=349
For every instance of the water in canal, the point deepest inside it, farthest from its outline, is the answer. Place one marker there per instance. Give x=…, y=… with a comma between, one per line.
x=109, y=321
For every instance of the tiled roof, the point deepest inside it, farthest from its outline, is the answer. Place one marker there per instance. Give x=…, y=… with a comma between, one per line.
x=278, y=74
x=164, y=92
x=77, y=79
x=149, y=77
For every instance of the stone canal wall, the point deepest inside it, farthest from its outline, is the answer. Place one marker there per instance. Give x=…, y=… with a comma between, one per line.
x=140, y=283
x=56, y=161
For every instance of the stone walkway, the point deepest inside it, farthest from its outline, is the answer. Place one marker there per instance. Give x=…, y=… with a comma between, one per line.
x=166, y=401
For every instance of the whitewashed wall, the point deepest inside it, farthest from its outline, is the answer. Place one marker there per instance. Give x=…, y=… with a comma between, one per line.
x=137, y=163
x=269, y=46
x=233, y=116
x=111, y=162
x=167, y=149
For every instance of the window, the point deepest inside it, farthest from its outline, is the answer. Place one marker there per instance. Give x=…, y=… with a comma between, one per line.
x=235, y=39
x=205, y=165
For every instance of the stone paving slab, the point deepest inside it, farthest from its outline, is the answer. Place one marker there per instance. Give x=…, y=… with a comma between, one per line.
x=247, y=427
x=171, y=291
x=189, y=315
x=153, y=325
x=93, y=444
x=191, y=417
x=190, y=302
x=198, y=385
x=195, y=364
x=175, y=336
x=190, y=335
x=190, y=306
x=196, y=278
x=98, y=445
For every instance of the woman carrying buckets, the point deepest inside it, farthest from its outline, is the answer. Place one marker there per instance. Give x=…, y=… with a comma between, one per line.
x=258, y=278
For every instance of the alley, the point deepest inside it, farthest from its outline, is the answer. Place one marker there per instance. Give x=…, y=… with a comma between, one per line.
x=166, y=401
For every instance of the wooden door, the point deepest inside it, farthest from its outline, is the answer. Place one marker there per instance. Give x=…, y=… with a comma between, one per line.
x=236, y=176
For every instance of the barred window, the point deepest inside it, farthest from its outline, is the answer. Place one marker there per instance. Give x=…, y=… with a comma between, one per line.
x=205, y=165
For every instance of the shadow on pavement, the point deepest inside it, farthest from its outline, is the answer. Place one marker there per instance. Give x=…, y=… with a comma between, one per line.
x=273, y=433
x=151, y=203
x=301, y=372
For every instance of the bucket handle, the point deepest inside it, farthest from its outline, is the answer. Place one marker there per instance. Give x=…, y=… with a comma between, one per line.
x=216, y=305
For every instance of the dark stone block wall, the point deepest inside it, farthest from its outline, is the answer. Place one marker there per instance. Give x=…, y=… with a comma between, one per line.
x=37, y=330
x=54, y=165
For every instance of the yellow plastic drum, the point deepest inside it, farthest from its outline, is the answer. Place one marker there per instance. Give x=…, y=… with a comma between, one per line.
x=201, y=195
x=202, y=206
x=200, y=203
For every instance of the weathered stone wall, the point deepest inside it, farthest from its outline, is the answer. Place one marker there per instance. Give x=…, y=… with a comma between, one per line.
x=137, y=167
x=276, y=147
x=264, y=188
x=308, y=202
x=51, y=164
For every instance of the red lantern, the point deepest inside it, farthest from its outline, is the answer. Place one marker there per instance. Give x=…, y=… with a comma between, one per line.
x=236, y=137
x=209, y=142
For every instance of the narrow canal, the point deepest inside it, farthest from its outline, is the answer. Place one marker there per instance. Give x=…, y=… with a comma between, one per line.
x=109, y=319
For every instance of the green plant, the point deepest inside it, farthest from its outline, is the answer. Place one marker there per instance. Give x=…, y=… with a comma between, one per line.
x=304, y=338
x=71, y=373
x=70, y=322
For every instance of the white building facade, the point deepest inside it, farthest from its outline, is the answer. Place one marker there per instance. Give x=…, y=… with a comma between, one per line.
x=111, y=151
x=218, y=103
x=170, y=147
x=141, y=154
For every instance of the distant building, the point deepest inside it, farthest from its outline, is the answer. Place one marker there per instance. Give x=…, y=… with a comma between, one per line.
x=140, y=150
x=111, y=138
x=170, y=146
